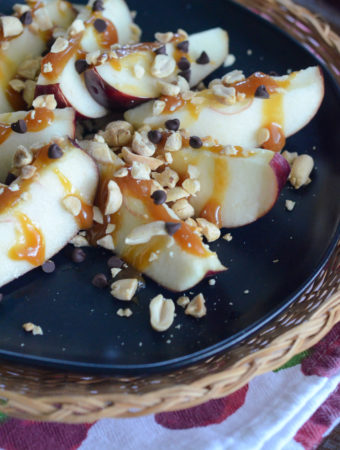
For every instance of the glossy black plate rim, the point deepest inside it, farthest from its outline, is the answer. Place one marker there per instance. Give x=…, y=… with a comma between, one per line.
x=212, y=350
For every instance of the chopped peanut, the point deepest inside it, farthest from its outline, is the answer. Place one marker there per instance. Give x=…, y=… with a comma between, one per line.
x=124, y=289
x=162, y=313
x=210, y=231
x=301, y=169
x=196, y=307
x=114, y=199
x=183, y=209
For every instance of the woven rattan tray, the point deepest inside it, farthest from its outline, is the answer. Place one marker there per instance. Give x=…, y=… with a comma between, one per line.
x=41, y=394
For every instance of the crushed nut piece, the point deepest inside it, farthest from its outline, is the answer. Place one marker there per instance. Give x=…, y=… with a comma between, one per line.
x=124, y=289
x=210, y=231
x=158, y=107
x=97, y=215
x=301, y=169
x=129, y=158
x=226, y=95
x=99, y=152
x=212, y=282
x=176, y=193
x=76, y=27
x=114, y=199
x=263, y=135
x=11, y=26
x=233, y=77
x=28, y=172
x=142, y=146
x=163, y=66
x=290, y=157
x=290, y=205
x=183, y=209
x=118, y=133
x=20, y=9
x=106, y=242
x=167, y=178
x=42, y=19
x=136, y=32
x=168, y=88
x=173, y=142
x=140, y=171
x=121, y=173
x=168, y=157
x=92, y=57
x=79, y=241
x=196, y=307
x=29, y=91
x=193, y=171
x=183, y=301
x=45, y=101
x=144, y=233
x=17, y=85
x=162, y=313
x=110, y=228
x=59, y=45
x=124, y=312
x=115, y=271
x=229, y=150
x=35, y=329
x=230, y=60
x=192, y=186
x=22, y=157
x=164, y=38
x=228, y=237
x=29, y=68
x=72, y=204
x=47, y=68
x=139, y=71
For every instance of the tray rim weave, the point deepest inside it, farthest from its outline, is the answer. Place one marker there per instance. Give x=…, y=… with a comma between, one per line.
x=45, y=395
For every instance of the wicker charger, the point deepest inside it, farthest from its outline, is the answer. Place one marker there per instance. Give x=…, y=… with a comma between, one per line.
x=44, y=395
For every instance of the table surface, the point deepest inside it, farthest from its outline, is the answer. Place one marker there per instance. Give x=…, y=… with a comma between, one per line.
x=328, y=9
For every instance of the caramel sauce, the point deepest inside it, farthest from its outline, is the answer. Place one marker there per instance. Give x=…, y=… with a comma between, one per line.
x=5, y=131
x=172, y=104
x=109, y=36
x=250, y=84
x=30, y=245
x=212, y=210
x=116, y=64
x=273, y=120
x=15, y=99
x=277, y=139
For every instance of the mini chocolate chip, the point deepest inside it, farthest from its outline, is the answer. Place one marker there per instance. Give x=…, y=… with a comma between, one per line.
x=272, y=73
x=48, y=266
x=183, y=46
x=172, y=227
x=261, y=92
x=185, y=74
x=114, y=262
x=100, y=281
x=100, y=25
x=54, y=151
x=203, y=58
x=155, y=136
x=19, y=126
x=78, y=255
x=81, y=65
x=10, y=178
x=184, y=64
x=26, y=18
x=159, y=197
x=98, y=6
x=161, y=50
x=172, y=124
x=195, y=142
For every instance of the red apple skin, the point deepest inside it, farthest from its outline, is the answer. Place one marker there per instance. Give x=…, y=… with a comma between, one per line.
x=54, y=89
x=107, y=95
x=281, y=169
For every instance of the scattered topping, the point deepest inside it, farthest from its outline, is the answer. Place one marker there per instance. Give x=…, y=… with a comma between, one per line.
x=183, y=46
x=29, y=68
x=20, y=8
x=228, y=237
x=230, y=60
x=114, y=199
x=167, y=178
x=100, y=25
x=247, y=291
x=164, y=38
x=163, y=66
x=226, y=95
x=144, y=233
x=98, y=6
x=210, y=231
x=115, y=262
x=162, y=313
x=54, y=151
x=26, y=18
x=290, y=205
x=139, y=71
x=29, y=92
x=118, y=133
x=11, y=26
x=183, y=301
x=106, y=242
x=45, y=101
x=140, y=171
x=290, y=157
x=100, y=281
x=93, y=57
x=81, y=65
x=196, y=307
x=124, y=289
x=27, y=172
x=169, y=89
x=78, y=255
x=191, y=186
x=193, y=171
x=60, y=44
x=176, y=193
x=47, y=68
x=42, y=19
x=121, y=173
x=172, y=227
x=263, y=135
x=17, y=85
x=48, y=266
x=97, y=215
x=77, y=27
x=79, y=241
x=151, y=163
x=233, y=77
x=301, y=169
x=22, y=157
x=35, y=329
x=115, y=271
x=72, y=204
x=212, y=282
x=155, y=136
x=158, y=107
x=126, y=312
x=183, y=209
x=172, y=124
x=195, y=142
x=203, y=58
x=261, y=92
x=159, y=197
x=142, y=145
x=19, y=126
x=173, y=142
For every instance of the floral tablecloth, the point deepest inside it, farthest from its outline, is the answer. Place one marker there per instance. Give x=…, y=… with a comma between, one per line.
x=291, y=408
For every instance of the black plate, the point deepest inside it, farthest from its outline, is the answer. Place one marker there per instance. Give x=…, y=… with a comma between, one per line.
x=81, y=329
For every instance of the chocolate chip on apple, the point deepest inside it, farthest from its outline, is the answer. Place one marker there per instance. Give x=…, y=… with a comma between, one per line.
x=185, y=74
x=261, y=92
x=19, y=126
x=81, y=65
x=172, y=124
x=78, y=255
x=183, y=64
x=100, y=281
x=161, y=50
x=26, y=18
x=159, y=197
x=155, y=136
x=203, y=58
x=195, y=142
x=100, y=25
x=172, y=227
x=48, y=266
x=183, y=46
x=54, y=151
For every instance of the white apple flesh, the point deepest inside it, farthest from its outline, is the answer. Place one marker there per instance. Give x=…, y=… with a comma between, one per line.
x=291, y=108
x=34, y=223
x=62, y=124
x=116, y=85
x=69, y=87
x=235, y=190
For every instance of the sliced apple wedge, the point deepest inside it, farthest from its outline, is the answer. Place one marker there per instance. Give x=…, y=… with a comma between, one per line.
x=176, y=262
x=42, y=126
x=30, y=43
x=60, y=75
x=293, y=101
x=39, y=215
x=236, y=188
x=127, y=80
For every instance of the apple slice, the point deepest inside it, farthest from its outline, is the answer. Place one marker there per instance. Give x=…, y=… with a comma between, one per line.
x=294, y=100
x=34, y=221
x=59, y=75
x=117, y=85
x=30, y=43
x=42, y=126
x=237, y=186
x=176, y=262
